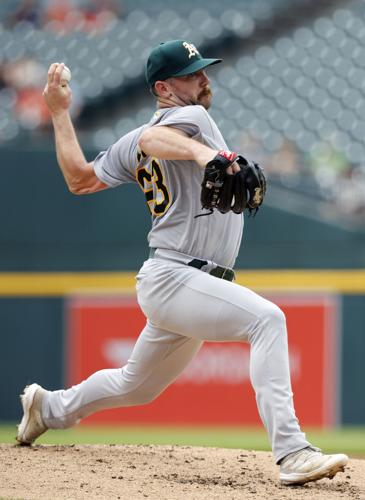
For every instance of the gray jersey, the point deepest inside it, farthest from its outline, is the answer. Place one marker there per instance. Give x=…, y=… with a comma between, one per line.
x=172, y=188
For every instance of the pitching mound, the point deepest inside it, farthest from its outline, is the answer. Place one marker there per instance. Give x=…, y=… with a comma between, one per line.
x=159, y=473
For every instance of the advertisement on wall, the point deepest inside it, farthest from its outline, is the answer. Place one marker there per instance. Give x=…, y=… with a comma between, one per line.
x=214, y=388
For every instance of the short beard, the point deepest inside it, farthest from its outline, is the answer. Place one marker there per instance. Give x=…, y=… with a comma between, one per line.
x=205, y=98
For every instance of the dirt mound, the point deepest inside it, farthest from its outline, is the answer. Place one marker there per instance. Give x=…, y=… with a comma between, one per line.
x=159, y=473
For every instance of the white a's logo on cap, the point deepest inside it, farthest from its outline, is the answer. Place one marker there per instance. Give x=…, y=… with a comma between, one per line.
x=193, y=51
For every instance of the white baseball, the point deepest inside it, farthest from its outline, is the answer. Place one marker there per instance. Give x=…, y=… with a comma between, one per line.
x=65, y=76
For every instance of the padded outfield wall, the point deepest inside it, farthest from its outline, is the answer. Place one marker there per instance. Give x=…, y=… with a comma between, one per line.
x=53, y=243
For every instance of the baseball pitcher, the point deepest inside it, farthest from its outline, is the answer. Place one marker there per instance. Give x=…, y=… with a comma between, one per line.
x=197, y=192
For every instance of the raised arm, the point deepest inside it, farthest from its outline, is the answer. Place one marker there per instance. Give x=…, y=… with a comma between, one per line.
x=170, y=143
x=78, y=173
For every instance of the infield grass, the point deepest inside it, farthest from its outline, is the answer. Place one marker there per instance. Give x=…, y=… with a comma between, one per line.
x=350, y=440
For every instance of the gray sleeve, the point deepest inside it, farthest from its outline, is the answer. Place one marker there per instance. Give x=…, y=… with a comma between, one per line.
x=193, y=120
x=117, y=165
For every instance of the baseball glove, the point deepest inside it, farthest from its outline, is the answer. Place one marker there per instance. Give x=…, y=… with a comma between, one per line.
x=236, y=192
x=217, y=184
x=249, y=187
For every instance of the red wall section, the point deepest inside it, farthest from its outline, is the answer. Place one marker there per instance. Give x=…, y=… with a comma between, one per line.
x=215, y=387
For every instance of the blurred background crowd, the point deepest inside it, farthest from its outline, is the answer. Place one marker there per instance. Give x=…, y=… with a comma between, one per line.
x=290, y=92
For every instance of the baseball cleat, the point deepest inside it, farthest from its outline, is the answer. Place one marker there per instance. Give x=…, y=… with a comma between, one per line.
x=310, y=464
x=32, y=425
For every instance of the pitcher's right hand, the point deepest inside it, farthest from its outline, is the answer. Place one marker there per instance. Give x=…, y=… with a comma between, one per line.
x=58, y=97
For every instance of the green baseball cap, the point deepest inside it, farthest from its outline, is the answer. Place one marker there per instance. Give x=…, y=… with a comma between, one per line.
x=174, y=58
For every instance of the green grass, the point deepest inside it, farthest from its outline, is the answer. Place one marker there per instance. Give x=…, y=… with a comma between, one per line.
x=344, y=440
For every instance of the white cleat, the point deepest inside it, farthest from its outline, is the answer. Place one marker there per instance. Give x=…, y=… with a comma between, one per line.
x=310, y=464
x=32, y=425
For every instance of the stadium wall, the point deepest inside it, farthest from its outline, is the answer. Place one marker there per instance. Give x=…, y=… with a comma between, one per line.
x=53, y=242
x=32, y=318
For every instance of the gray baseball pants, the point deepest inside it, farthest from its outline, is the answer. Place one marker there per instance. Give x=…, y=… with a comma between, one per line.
x=184, y=307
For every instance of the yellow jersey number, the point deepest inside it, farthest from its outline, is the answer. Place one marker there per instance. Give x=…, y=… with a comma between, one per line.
x=151, y=180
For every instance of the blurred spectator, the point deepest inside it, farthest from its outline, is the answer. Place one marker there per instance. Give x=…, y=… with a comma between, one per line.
x=27, y=78
x=56, y=11
x=328, y=164
x=90, y=15
x=251, y=147
x=349, y=193
x=66, y=15
x=28, y=10
x=30, y=108
x=285, y=162
x=23, y=73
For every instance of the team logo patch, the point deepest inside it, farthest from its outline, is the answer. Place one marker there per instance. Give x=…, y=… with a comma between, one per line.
x=193, y=51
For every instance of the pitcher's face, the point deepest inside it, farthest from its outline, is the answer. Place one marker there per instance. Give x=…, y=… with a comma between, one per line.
x=192, y=89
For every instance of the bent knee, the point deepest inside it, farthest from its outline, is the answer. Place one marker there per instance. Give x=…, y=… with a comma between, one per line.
x=276, y=314
x=271, y=323
x=273, y=315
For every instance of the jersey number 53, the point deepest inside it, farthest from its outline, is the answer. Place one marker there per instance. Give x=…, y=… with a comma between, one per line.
x=151, y=180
